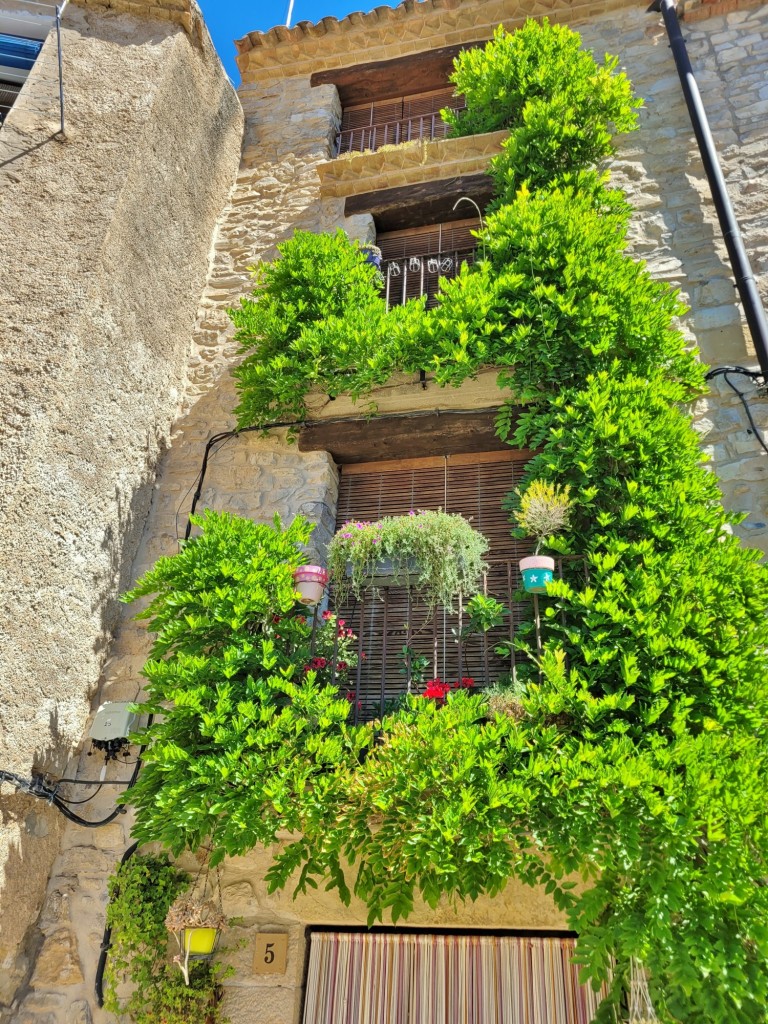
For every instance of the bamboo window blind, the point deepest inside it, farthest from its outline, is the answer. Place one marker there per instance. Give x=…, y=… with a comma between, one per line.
x=414, y=259
x=392, y=121
x=473, y=485
x=390, y=978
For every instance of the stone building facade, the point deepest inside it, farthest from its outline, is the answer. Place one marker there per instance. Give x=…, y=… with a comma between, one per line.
x=117, y=375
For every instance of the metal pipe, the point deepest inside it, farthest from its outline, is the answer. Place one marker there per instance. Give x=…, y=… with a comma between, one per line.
x=59, y=10
x=745, y=280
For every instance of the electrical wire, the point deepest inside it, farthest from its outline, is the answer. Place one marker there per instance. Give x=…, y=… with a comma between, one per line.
x=39, y=788
x=74, y=803
x=106, y=940
x=755, y=375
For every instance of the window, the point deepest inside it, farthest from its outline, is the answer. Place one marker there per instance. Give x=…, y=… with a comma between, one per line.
x=413, y=260
x=19, y=51
x=475, y=486
x=393, y=121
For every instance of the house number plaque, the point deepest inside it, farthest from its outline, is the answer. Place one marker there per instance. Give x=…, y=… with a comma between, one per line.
x=271, y=956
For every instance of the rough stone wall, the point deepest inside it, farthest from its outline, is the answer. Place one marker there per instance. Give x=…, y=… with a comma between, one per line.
x=277, y=189
x=105, y=236
x=675, y=228
x=287, y=136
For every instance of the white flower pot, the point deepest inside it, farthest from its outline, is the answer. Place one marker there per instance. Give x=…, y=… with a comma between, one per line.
x=310, y=582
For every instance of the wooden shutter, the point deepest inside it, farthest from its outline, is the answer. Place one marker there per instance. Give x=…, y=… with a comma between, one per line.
x=474, y=486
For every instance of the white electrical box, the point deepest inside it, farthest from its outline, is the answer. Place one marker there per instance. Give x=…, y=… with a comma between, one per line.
x=114, y=721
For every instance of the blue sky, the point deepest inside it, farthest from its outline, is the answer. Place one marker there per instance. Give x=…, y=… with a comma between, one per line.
x=230, y=19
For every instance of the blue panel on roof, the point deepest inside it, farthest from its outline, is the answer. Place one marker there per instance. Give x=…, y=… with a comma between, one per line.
x=18, y=52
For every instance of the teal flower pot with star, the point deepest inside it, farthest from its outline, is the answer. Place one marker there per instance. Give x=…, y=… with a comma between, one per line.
x=538, y=571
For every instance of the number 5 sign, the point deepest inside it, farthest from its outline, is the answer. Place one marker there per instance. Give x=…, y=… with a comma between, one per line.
x=271, y=956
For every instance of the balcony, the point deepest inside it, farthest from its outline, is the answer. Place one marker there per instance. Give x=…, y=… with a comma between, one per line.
x=371, y=137
x=402, y=644
x=414, y=260
x=394, y=122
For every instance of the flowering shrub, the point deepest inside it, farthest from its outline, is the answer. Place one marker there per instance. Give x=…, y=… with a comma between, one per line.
x=335, y=644
x=438, y=552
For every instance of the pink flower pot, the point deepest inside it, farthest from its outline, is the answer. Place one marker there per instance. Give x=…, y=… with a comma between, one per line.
x=538, y=571
x=310, y=583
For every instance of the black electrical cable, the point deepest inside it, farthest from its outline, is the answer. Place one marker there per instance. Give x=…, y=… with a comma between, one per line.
x=228, y=434
x=724, y=371
x=37, y=787
x=95, y=782
x=106, y=940
x=74, y=803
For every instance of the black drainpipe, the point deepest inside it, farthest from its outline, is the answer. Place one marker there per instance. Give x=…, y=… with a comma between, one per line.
x=745, y=280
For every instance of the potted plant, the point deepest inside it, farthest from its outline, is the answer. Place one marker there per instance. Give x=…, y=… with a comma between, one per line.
x=195, y=923
x=436, y=552
x=310, y=583
x=544, y=510
x=372, y=254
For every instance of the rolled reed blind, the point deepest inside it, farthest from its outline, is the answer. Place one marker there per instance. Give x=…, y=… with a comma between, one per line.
x=428, y=240
x=403, y=108
x=361, y=978
x=473, y=485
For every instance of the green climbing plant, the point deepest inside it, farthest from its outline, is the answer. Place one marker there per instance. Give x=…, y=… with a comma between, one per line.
x=631, y=753
x=141, y=983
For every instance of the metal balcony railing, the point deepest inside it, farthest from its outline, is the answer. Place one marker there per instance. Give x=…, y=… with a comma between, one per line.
x=392, y=133
x=413, y=276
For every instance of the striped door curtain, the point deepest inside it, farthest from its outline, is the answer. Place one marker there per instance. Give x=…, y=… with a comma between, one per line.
x=360, y=978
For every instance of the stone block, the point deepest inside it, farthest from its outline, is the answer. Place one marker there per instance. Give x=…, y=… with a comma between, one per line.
x=262, y=1005
x=58, y=963
x=80, y=1013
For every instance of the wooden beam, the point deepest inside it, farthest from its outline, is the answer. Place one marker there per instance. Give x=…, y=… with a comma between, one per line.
x=431, y=202
x=404, y=437
x=386, y=79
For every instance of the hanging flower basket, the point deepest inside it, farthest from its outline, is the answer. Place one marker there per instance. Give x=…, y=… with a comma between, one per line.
x=200, y=942
x=436, y=552
x=310, y=583
x=538, y=571
x=390, y=571
x=195, y=923
x=372, y=255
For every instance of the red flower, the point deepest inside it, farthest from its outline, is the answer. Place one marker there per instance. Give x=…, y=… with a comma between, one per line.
x=342, y=666
x=327, y=615
x=467, y=682
x=436, y=690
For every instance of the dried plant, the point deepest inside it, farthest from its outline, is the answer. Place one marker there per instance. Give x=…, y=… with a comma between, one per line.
x=641, y=1009
x=188, y=911
x=505, y=698
x=545, y=509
